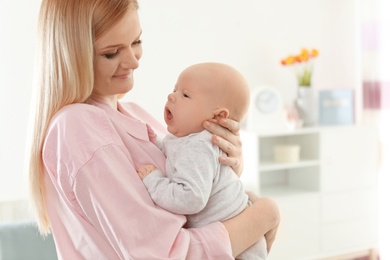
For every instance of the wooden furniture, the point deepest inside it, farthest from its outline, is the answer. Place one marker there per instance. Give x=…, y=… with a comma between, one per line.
x=327, y=198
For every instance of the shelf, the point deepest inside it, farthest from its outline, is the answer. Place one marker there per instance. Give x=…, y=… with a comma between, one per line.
x=312, y=192
x=284, y=132
x=282, y=191
x=274, y=166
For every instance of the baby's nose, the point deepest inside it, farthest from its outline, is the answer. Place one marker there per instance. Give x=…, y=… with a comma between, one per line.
x=171, y=97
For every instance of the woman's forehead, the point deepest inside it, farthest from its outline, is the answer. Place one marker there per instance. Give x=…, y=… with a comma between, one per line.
x=124, y=32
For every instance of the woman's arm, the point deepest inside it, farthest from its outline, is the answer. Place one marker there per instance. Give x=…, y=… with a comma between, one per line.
x=260, y=219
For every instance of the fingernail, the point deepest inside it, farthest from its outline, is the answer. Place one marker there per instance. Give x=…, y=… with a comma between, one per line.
x=206, y=124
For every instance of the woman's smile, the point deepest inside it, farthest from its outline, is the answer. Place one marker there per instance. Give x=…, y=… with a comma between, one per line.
x=124, y=75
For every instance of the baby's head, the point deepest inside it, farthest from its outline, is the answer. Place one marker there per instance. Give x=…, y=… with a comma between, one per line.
x=204, y=91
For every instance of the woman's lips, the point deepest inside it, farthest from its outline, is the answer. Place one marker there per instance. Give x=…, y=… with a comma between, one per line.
x=123, y=76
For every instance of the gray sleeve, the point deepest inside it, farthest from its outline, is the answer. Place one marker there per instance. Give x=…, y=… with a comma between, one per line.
x=188, y=191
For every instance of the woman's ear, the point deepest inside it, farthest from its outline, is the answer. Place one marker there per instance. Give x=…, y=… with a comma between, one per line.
x=221, y=112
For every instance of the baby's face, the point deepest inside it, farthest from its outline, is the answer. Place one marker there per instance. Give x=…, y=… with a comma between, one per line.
x=189, y=105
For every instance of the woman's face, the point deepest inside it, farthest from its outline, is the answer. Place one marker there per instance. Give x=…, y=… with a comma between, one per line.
x=117, y=54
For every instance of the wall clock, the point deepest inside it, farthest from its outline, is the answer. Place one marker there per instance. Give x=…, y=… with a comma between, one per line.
x=266, y=111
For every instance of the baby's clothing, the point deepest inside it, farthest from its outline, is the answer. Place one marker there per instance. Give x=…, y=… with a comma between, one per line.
x=199, y=186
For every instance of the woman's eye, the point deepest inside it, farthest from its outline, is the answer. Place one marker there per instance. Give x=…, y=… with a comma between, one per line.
x=111, y=55
x=138, y=42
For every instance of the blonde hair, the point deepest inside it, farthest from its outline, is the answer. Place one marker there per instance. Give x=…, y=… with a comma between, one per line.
x=64, y=74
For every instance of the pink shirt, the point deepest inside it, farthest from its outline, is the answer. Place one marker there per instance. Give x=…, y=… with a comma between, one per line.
x=97, y=204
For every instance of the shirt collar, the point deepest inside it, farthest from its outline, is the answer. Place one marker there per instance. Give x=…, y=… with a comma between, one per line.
x=129, y=123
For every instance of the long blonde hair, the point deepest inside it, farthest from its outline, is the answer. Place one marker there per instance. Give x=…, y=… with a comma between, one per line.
x=64, y=74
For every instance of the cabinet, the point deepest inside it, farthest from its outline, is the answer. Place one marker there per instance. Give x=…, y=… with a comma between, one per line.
x=327, y=198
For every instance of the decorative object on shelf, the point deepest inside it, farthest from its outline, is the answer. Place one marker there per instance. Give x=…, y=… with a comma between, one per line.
x=266, y=110
x=306, y=102
x=303, y=65
x=293, y=119
x=287, y=153
x=336, y=107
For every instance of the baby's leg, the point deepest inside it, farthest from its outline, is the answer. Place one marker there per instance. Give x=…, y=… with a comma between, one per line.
x=256, y=252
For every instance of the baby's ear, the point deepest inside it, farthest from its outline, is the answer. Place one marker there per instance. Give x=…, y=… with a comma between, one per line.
x=221, y=112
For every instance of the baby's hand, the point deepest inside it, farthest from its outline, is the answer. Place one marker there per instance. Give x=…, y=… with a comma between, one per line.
x=144, y=170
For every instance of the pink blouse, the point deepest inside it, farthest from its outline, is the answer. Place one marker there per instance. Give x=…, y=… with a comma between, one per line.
x=97, y=204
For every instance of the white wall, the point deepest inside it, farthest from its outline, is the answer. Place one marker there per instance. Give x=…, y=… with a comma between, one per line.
x=17, y=31
x=252, y=35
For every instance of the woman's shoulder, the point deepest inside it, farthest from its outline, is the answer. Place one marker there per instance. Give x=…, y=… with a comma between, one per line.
x=80, y=116
x=75, y=133
x=78, y=111
x=81, y=123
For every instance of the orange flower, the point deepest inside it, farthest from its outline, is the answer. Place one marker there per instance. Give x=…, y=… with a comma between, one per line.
x=304, y=55
x=289, y=60
x=305, y=68
x=314, y=53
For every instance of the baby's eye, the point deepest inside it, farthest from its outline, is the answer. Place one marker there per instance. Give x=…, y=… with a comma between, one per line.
x=185, y=95
x=111, y=55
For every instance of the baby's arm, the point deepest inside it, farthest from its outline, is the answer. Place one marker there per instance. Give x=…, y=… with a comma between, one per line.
x=188, y=187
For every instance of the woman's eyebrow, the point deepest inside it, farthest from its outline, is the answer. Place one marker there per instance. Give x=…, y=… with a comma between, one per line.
x=111, y=46
x=118, y=45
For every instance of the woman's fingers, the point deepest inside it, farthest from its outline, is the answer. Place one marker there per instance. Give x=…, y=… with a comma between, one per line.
x=234, y=156
x=226, y=136
x=227, y=123
x=231, y=125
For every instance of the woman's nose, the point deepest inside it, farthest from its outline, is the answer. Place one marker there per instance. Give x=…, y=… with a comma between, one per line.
x=131, y=59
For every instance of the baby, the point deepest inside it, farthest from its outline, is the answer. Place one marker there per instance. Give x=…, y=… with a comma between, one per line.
x=196, y=184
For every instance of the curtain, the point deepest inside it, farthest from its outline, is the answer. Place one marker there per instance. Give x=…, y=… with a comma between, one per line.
x=375, y=31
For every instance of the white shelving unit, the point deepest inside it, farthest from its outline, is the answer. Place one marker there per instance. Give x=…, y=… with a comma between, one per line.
x=288, y=178
x=327, y=198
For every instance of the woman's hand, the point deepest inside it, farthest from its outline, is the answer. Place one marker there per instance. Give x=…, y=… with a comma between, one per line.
x=226, y=135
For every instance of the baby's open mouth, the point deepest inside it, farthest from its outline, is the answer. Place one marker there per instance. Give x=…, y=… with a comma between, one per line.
x=168, y=114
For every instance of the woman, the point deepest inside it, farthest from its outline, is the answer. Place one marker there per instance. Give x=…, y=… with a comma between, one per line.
x=86, y=147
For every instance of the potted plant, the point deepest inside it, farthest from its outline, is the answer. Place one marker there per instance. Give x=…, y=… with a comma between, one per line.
x=303, y=65
x=306, y=102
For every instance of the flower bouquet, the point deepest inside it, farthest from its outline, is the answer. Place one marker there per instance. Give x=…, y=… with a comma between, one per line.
x=303, y=64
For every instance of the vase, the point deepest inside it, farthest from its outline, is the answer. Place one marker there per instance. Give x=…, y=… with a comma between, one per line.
x=306, y=104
